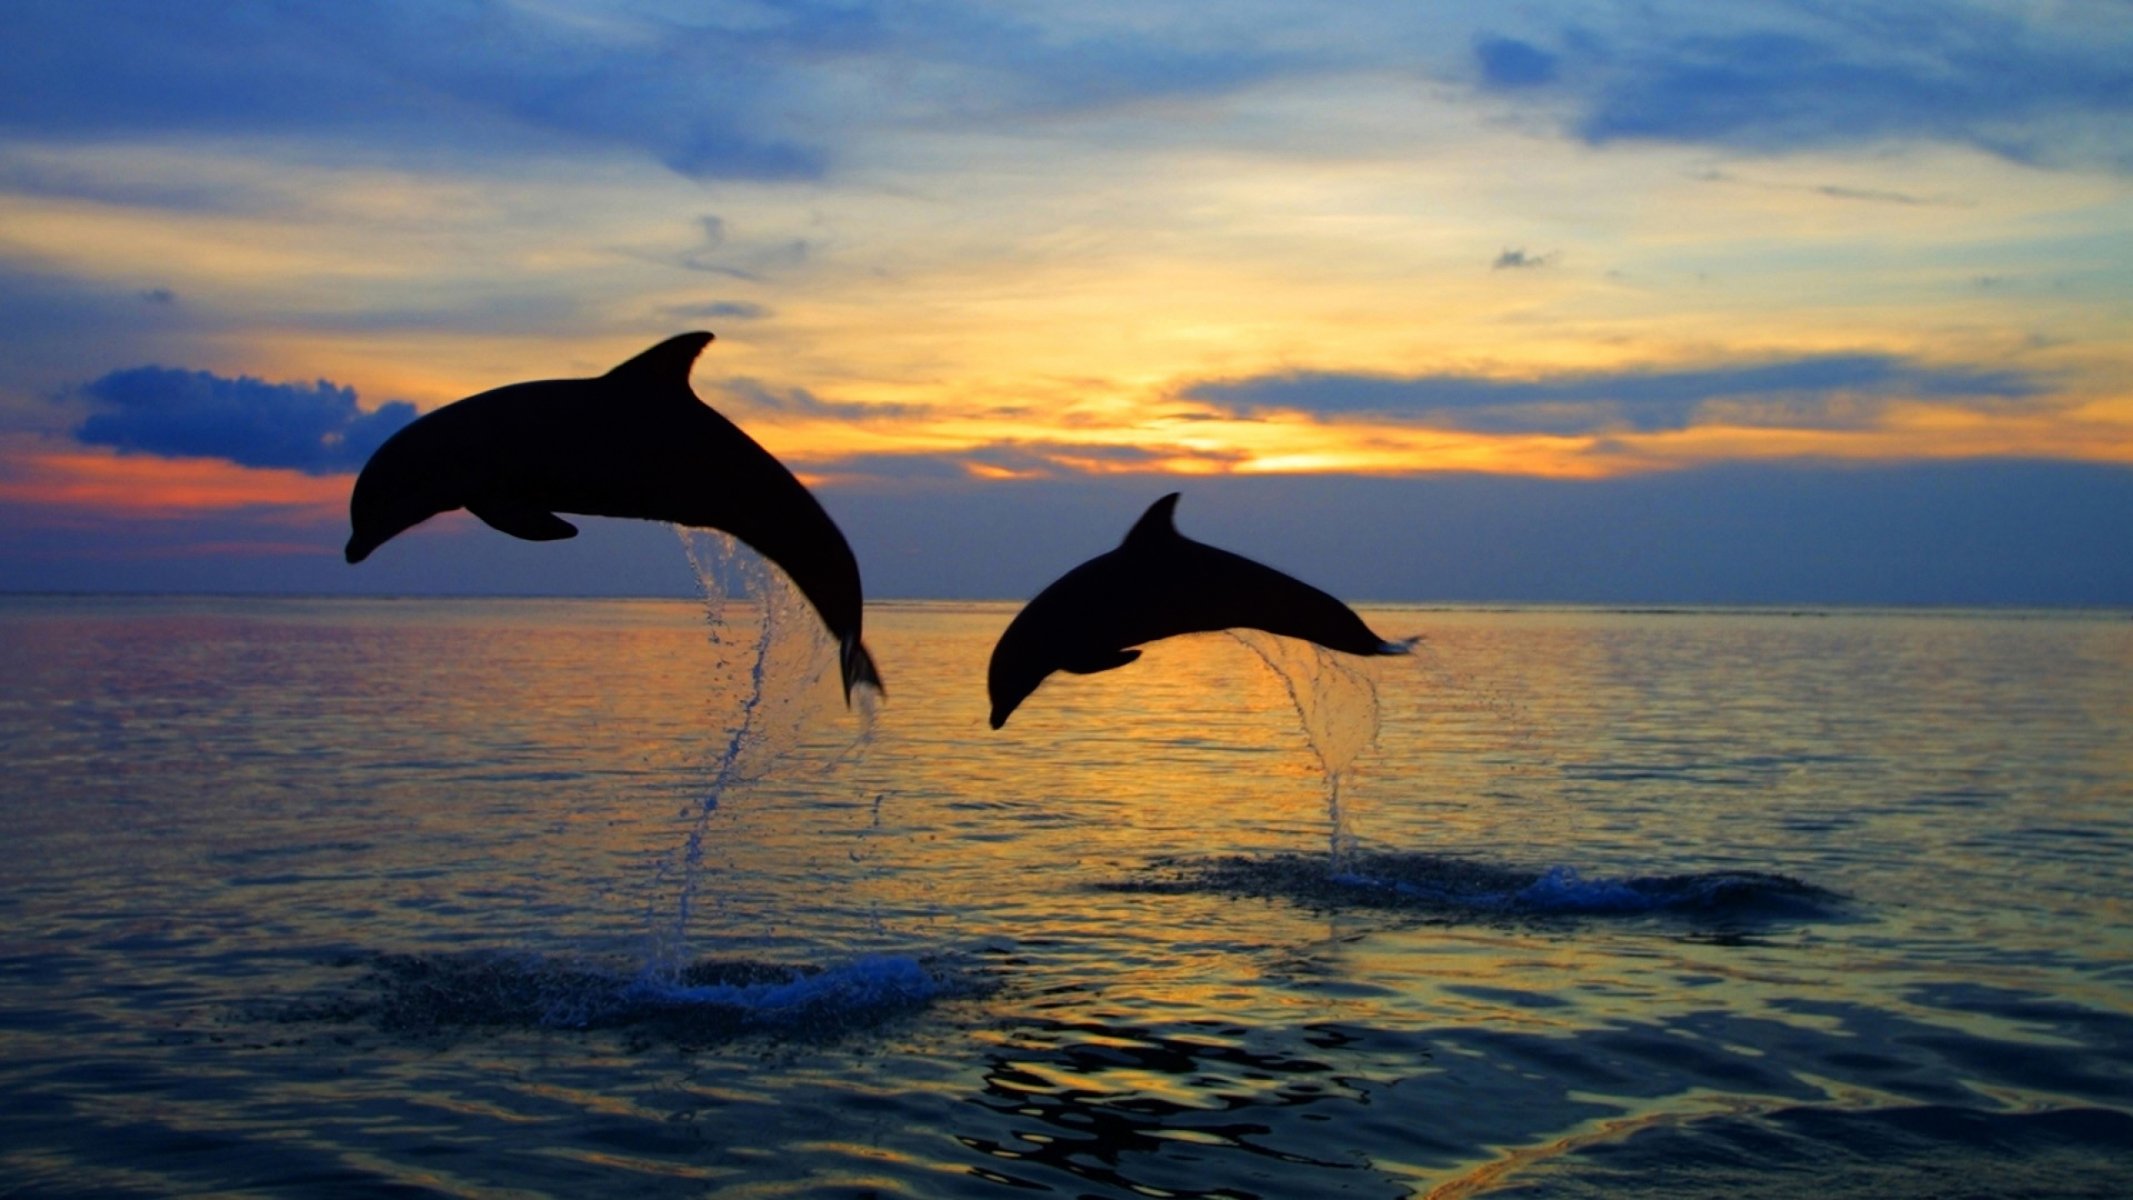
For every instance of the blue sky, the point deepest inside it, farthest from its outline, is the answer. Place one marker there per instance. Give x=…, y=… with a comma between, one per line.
x=1655, y=302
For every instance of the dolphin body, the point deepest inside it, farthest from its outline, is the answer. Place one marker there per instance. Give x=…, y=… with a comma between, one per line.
x=1159, y=583
x=635, y=442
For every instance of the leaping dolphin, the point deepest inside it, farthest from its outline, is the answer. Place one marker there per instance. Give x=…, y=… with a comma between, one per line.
x=635, y=442
x=1159, y=583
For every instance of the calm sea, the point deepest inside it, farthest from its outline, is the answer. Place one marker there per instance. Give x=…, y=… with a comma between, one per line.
x=583, y=898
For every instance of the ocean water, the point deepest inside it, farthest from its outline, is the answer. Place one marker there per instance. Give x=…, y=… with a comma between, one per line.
x=361, y=897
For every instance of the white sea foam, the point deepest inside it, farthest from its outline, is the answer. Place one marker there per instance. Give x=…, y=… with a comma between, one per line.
x=875, y=982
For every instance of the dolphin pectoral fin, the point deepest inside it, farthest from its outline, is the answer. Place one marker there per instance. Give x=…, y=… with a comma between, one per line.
x=532, y=524
x=1111, y=661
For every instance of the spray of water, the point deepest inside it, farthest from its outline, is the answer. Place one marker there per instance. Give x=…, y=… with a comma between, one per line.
x=769, y=681
x=1338, y=705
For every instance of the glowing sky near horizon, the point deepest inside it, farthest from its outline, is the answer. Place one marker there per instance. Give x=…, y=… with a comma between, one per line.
x=978, y=246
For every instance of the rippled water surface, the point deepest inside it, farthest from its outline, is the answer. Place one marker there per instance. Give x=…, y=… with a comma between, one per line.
x=529, y=897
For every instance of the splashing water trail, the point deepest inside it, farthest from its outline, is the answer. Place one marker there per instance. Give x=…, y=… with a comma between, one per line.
x=770, y=660
x=1338, y=705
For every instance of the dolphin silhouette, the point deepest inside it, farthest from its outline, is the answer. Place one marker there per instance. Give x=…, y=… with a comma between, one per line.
x=635, y=442
x=1159, y=583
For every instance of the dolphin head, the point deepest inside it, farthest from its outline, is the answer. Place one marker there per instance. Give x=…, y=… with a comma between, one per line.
x=1015, y=672
x=1072, y=624
x=400, y=487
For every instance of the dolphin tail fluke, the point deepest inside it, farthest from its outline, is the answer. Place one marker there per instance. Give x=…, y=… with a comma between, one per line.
x=858, y=667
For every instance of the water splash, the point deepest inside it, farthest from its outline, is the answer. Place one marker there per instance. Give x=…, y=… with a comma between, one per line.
x=769, y=674
x=1458, y=888
x=1338, y=705
x=440, y=994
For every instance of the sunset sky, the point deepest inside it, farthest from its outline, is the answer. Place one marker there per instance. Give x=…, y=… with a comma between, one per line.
x=1637, y=302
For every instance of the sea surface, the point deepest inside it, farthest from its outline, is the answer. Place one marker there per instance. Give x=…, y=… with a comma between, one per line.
x=449, y=897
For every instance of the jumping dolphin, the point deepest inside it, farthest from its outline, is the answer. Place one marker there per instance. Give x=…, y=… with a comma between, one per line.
x=1159, y=583
x=635, y=442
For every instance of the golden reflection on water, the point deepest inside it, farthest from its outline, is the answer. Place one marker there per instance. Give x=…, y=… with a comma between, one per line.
x=585, y=738
x=1539, y=737
x=524, y=776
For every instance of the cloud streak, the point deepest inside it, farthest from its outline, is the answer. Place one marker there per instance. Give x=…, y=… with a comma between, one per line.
x=764, y=92
x=1820, y=390
x=1014, y=459
x=718, y=310
x=316, y=428
x=2044, y=90
x=700, y=98
x=1516, y=259
x=743, y=393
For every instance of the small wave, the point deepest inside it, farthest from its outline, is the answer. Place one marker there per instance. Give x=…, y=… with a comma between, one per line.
x=429, y=994
x=1459, y=888
x=869, y=985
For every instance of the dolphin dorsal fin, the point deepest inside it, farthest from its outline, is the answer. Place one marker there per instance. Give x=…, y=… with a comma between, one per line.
x=664, y=365
x=1157, y=525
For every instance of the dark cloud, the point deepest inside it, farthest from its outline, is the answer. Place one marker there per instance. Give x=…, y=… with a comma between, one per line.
x=1833, y=191
x=1018, y=459
x=1517, y=259
x=466, y=77
x=1510, y=63
x=719, y=310
x=742, y=393
x=892, y=467
x=1872, y=195
x=1048, y=458
x=746, y=394
x=718, y=253
x=314, y=427
x=36, y=176
x=757, y=91
x=1824, y=389
x=1024, y=68
x=772, y=90
x=1805, y=76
